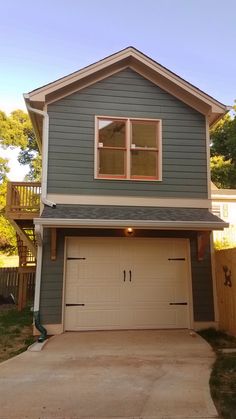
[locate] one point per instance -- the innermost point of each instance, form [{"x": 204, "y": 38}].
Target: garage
[{"x": 126, "y": 283}]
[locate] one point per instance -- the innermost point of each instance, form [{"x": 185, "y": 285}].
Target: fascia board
[
  {"x": 41, "y": 93},
  {"x": 179, "y": 225}
]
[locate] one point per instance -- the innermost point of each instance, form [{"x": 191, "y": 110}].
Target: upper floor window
[{"x": 128, "y": 148}]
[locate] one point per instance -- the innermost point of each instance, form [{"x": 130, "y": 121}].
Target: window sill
[{"x": 130, "y": 180}]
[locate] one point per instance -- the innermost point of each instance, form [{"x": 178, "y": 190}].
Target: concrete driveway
[{"x": 120, "y": 374}]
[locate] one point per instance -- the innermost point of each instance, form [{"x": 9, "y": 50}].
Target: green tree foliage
[
  {"x": 7, "y": 232},
  {"x": 4, "y": 169},
  {"x": 223, "y": 152},
  {"x": 223, "y": 172},
  {"x": 16, "y": 131}
]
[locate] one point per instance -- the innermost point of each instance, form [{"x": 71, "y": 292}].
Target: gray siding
[
  {"x": 52, "y": 274},
  {"x": 71, "y": 139}
]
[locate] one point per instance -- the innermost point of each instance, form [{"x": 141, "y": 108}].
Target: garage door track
[{"x": 118, "y": 374}]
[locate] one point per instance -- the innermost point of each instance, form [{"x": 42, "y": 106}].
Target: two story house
[{"x": 124, "y": 233}]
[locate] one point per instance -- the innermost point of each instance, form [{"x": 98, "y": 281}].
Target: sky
[{"x": 42, "y": 41}]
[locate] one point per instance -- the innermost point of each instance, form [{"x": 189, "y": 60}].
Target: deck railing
[{"x": 23, "y": 197}]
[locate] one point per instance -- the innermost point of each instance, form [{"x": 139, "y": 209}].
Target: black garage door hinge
[
  {"x": 74, "y": 305},
  {"x": 76, "y": 258},
  {"x": 176, "y": 259},
  {"x": 178, "y": 304}
]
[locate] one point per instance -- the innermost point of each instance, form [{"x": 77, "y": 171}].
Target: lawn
[
  {"x": 223, "y": 377},
  {"x": 15, "y": 331}
]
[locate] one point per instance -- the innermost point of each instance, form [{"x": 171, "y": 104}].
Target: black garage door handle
[
  {"x": 74, "y": 305},
  {"x": 178, "y": 304}
]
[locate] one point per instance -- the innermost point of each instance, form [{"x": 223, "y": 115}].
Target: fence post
[{"x": 20, "y": 291}]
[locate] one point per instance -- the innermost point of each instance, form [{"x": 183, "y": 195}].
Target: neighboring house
[
  {"x": 125, "y": 229},
  {"x": 224, "y": 206}
]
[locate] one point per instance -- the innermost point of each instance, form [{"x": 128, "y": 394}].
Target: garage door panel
[
  {"x": 158, "y": 271},
  {"x": 160, "y": 317},
  {"x": 152, "y": 294},
  {"x": 93, "y": 271},
  {"x": 126, "y": 283},
  {"x": 84, "y": 247},
  {"x": 90, "y": 319},
  {"x": 100, "y": 294}
]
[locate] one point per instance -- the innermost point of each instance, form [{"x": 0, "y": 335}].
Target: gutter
[
  {"x": 219, "y": 196},
  {"x": 90, "y": 223},
  {"x": 45, "y": 116}
]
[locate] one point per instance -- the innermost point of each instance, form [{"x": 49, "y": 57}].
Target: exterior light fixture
[{"x": 129, "y": 231}]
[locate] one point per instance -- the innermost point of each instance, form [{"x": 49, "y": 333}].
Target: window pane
[
  {"x": 144, "y": 135},
  {"x": 111, "y": 162},
  {"x": 111, "y": 133},
  {"x": 144, "y": 163}
]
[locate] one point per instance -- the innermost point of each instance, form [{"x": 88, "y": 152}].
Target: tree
[
  {"x": 4, "y": 169},
  {"x": 223, "y": 172},
  {"x": 223, "y": 152},
  {"x": 16, "y": 131},
  {"x": 7, "y": 232}
]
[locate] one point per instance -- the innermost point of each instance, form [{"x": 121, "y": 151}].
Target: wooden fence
[
  {"x": 20, "y": 282},
  {"x": 226, "y": 289}
]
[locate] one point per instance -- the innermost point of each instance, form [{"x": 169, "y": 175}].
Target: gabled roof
[{"x": 127, "y": 58}]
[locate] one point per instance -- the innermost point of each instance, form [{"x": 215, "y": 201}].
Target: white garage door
[{"x": 126, "y": 283}]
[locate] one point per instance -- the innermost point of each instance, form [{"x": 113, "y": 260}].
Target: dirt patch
[{"x": 16, "y": 332}]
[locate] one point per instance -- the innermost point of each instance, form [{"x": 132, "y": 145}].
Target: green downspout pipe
[{"x": 40, "y": 327}]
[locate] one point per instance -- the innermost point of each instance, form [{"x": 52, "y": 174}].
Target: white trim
[
  {"x": 95, "y": 147},
  {"x": 213, "y": 273},
  {"x": 190, "y": 286},
  {"x": 205, "y": 325},
  {"x": 129, "y": 201},
  {"x": 208, "y": 158},
  {"x": 64, "y": 283},
  {"x": 216, "y": 197},
  {"x": 45, "y": 135},
  {"x": 169, "y": 225},
  {"x": 128, "y": 141},
  {"x": 40, "y": 93}
]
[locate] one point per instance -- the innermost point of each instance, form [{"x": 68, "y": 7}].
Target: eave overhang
[
  {"x": 127, "y": 58},
  {"x": 140, "y": 224}
]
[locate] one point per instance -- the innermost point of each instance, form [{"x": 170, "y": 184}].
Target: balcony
[
  {"x": 23, "y": 200},
  {"x": 22, "y": 206}
]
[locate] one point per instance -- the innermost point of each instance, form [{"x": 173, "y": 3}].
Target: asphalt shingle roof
[{"x": 110, "y": 212}]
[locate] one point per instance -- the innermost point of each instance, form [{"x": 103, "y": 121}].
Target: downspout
[
  {"x": 45, "y": 116},
  {"x": 38, "y": 325},
  {"x": 39, "y": 230}
]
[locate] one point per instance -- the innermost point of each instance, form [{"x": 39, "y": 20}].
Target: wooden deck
[
  {"x": 22, "y": 206},
  {"x": 23, "y": 200}
]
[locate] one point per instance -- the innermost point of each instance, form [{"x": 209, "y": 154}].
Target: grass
[
  {"x": 218, "y": 340},
  {"x": 15, "y": 332},
  {"x": 223, "y": 376}
]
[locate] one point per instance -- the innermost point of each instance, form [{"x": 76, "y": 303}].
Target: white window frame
[{"x": 127, "y": 175}]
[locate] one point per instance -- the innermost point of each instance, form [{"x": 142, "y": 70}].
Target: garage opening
[{"x": 126, "y": 283}]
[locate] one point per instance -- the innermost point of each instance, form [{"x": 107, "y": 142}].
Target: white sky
[{"x": 17, "y": 172}]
